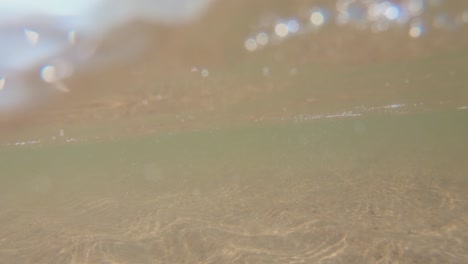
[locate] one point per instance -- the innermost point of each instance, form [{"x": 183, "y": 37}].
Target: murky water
[{"x": 266, "y": 132}]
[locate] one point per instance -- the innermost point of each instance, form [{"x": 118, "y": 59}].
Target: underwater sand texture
[{"x": 316, "y": 192}]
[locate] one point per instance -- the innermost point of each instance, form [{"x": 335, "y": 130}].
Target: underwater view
[{"x": 215, "y": 131}]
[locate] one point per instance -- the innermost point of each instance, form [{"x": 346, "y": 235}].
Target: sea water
[{"x": 312, "y": 132}]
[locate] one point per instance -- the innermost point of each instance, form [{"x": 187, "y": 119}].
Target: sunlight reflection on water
[
  {"x": 411, "y": 17},
  {"x": 51, "y": 39}
]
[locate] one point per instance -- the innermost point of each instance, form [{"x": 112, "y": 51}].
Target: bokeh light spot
[
  {"x": 281, "y": 30},
  {"x": 293, "y": 26},
  {"x": 250, "y": 44},
  {"x": 415, "y": 7},
  {"x": 317, "y": 18},
  {"x": 49, "y": 73},
  {"x": 416, "y": 31},
  {"x": 262, "y": 38},
  {"x": 392, "y": 13}
]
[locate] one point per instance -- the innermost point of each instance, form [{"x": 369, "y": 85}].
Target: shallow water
[
  {"x": 359, "y": 190},
  {"x": 342, "y": 143}
]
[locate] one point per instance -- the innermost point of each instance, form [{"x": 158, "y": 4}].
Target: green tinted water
[{"x": 366, "y": 189}]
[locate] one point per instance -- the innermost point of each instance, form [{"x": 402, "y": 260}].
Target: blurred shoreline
[{"x": 203, "y": 73}]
